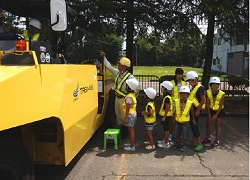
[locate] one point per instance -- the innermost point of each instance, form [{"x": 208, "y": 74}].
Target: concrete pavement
[{"x": 229, "y": 161}]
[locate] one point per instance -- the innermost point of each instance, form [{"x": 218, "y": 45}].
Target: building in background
[{"x": 231, "y": 54}]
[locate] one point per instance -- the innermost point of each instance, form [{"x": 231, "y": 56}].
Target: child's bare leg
[
  {"x": 166, "y": 134},
  {"x": 150, "y": 137},
  {"x": 218, "y": 129},
  {"x": 171, "y": 125},
  {"x": 195, "y": 140},
  {"x": 131, "y": 131},
  {"x": 208, "y": 128},
  {"x": 198, "y": 140}
]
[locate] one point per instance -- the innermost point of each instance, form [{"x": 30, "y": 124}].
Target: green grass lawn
[{"x": 167, "y": 70}]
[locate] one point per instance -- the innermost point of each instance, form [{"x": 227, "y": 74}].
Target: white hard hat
[
  {"x": 150, "y": 92},
  {"x": 35, "y": 23},
  {"x": 191, "y": 75},
  {"x": 184, "y": 89},
  {"x": 167, "y": 84},
  {"x": 132, "y": 83},
  {"x": 214, "y": 80}
]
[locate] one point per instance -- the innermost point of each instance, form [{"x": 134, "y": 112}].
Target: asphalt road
[{"x": 229, "y": 161}]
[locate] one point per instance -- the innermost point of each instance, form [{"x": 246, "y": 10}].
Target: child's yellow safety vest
[
  {"x": 132, "y": 109},
  {"x": 183, "y": 116},
  {"x": 152, "y": 118},
  {"x": 215, "y": 102},
  {"x": 192, "y": 97},
  {"x": 162, "y": 110},
  {"x": 175, "y": 92}
]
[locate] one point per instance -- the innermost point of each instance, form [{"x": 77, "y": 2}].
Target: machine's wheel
[
  {"x": 15, "y": 161},
  {"x": 110, "y": 117}
]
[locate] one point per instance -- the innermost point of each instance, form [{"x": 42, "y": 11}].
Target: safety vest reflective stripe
[
  {"x": 192, "y": 96},
  {"x": 162, "y": 110},
  {"x": 26, "y": 36},
  {"x": 151, "y": 118},
  {"x": 118, "y": 86},
  {"x": 175, "y": 93},
  {"x": 132, "y": 109},
  {"x": 183, "y": 116},
  {"x": 215, "y": 102}
]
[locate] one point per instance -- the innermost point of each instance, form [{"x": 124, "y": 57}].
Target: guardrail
[
  {"x": 149, "y": 81},
  {"x": 154, "y": 82},
  {"x": 240, "y": 86}
]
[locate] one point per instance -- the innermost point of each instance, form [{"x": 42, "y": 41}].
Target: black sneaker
[
  {"x": 206, "y": 140},
  {"x": 215, "y": 144},
  {"x": 183, "y": 148}
]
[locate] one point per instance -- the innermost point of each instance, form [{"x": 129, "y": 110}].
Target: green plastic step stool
[{"x": 113, "y": 134}]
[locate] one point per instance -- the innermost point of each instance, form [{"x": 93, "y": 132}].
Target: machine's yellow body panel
[{"x": 68, "y": 92}]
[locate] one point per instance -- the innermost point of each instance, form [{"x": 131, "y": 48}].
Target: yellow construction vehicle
[{"x": 49, "y": 108}]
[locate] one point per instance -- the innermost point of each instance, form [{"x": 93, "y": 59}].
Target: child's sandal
[{"x": 198, "y": 148}]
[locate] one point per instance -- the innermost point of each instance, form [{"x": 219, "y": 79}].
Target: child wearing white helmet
[
  {"x": 197, "y": 95},
  {"x": 215, "y": 110},
  {"x": 149, "y": 116},
  {"x": 130, "y": 115},
  {"x": 183, "y": 109},
  {"x": 177, "y": 82},
  {"x": 166, "y": 112}
]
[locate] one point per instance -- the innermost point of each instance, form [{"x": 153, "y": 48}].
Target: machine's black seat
[{"x": 17, "y": 59}]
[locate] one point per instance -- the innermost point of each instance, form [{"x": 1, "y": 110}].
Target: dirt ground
[{"x": 232, "y": 104}]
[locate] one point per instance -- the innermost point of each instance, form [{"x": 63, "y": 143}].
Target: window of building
[
  {"x": 218, "y": 60},
  {"x": 214, "y": 61},
  {"x": 219, "y": 41},
  {"x": 215, "y": 41}
]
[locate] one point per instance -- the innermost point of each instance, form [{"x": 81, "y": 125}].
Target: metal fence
[
  {"x": 149, "y": 81},
  {"x": 154, "y": 82}
]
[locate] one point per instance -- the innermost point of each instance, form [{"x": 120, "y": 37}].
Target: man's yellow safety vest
[
  {"x": 118, "y": 86},
  {"x": 26, "y": 36},
  {"x": 215, "y": 102}
]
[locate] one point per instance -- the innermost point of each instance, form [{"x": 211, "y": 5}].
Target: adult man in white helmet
[
  {"x": 34, "y": 26},
  {"x": 121, "y": 75}
]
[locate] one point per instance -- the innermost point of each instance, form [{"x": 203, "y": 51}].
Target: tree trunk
[
  {"x": 209, "y": 50},
  {"x": 130, "y": 32}
]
